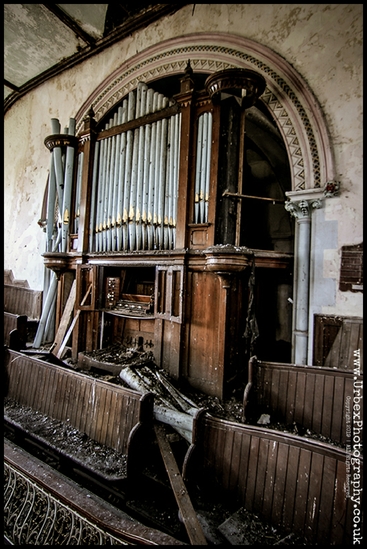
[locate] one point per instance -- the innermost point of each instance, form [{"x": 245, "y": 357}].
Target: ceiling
[{"x": 41, "y": 40}]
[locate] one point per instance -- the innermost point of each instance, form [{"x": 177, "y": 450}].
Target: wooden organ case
[{"x": 155, "y": 242}]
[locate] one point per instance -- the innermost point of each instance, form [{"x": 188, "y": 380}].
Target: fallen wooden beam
[
  {"x": 190, "y": 520},
  {"x": 65, "y": 319},
  {"x": 60, "y": 352}
]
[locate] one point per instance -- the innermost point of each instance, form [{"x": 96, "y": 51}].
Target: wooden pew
[
  {"x": 298, "y": 484},
  {"x": 15, "y": 330},
  {"x": 314, "y": 397},
  {"x": 109, "y": 414}
]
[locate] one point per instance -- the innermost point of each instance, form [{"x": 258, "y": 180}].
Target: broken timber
[
  {"x": 59, "y": 353},
  {"x": 181, "y": 420},
  {"x": 190, "y": 520},
  {"x": 65, "y": 319}
]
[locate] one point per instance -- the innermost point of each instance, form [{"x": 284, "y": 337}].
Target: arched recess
[{"x": 287, "y": 95}]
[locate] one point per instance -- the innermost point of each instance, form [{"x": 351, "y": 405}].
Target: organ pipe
[
  {"x": 120, "y": 192},
  {"x": 92, "y": 220},
  {"x": 202, "y": 171},
  {"x": 77, "y": 193},
  {"x": 60, "y": 184},
  {"x": 135, "y": 176},
  {"x": 68, "y": 181}
]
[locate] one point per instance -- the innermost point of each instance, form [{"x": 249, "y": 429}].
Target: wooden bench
[
  {"x": 22, "y": 311},
  {"x": 15, "y": 330},
  {"x": 111, "y": 415},
  {"x": 290, "y": 481},
  {"x": 314, "y": 397}
]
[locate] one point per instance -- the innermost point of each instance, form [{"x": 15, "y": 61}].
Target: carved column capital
[
  {"x": 301, "y": 203},
  {"x": 301, "y": 209}
]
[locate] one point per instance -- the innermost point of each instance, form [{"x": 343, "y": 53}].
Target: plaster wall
[{"x": 323, "y": 42}]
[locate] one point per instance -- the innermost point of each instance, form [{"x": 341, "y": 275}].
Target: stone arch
[{"x": 287, "y": 95}]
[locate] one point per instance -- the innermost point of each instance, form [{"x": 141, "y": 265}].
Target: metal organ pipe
[
  {"x": 57, "y": 158},
  {"x": 208, "y": 159},
  {"x": 116, "y": 177},
  {"x": 60, "y": 180},
  {"x": 92, "y": 222},
  {"x": 152, "y": 171},
  {"x": 77, "y": 193},
  {"x": 127, "y": 178},
  {"x": 51, "y": 207},
  {"x": 202, "y": 172},
  {"x": 135, "y": 177},
  {"x": 68, "y": 181},
  {"x": 107, "y": 196},
  {"x": 162, "y": 181},
  {"x": 111, "y": 187},
  {"x": 121, "y": 180}
]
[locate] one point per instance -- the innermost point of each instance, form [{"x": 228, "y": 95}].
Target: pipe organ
[
  {"x": 135, "y": 179},
  {"x": 132, "y": 216}
]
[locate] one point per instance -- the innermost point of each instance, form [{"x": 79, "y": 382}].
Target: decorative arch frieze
[{"x": 287, "y": 96}]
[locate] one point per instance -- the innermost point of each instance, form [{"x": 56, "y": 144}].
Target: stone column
[{"x": 300, "y": 206}]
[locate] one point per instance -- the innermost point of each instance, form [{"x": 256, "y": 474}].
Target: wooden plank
[
  {"x": 227, "y": 458},
  {"x": 338, "y": 409},
  {"x": 251, "y": 479},
  {"x": 243, "y": 465},
  {"x": 300, "y": 397},
  {"x": 279, "y": 484},
  {"x": 31, "y": 386},
  {"x": 61, "y": 349},
  {"x": 65, "y": 320},
  {"x": 332, "y": 359},
  {"x": 15, "y": 376},
  {"x": 344, "y": 355},
  {"x": 85, "y": 411},
  {"x": 236, "y": 461},
  {"x": 96, "y": 396},
  {"x": 40, "y": 389},
  {"x": 270, "y": 473},
  {"x": 79, "y": 417},
  {"x": 261, "y": 474},
  {"x": 110, "y": 439},
  {"x": 316, "y": 420},
  {"x": 327, "y": 498},
  {"x": 274, "y": 390},
  {"x": 339, "y": 529},
  {"x": 283, "y": 392},
  {"x": 328, "y": 406},
  {"x": 291, "y": 487},
  {"x": 190, "y": 520},
  {"x": 299, "y": 523},
  {"x": 60, "y": 395},
  {"x": 106, "y": 416},
  {"x": 313, "y": 500},
  {"x": 118, "y": 427},
  {"x": 65, "y": 409},
  {"x": 74, "y": 401},
  {"x": 291, "y": 397},
  {"x": 53, "y": 392},
  {"x": 309, "y": 400}
]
